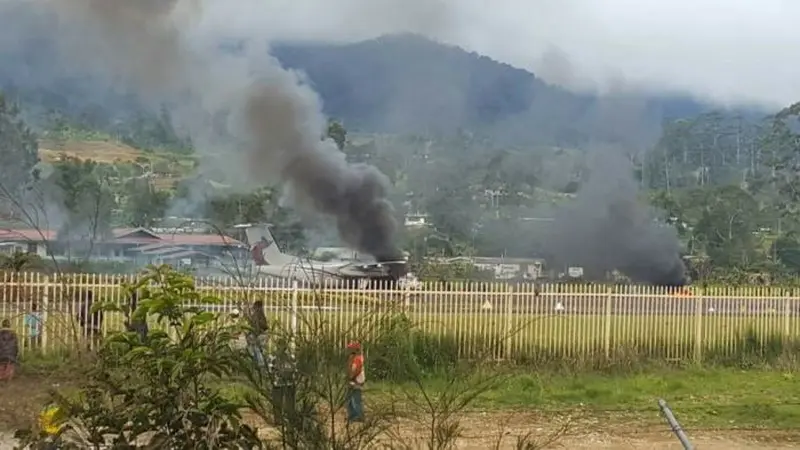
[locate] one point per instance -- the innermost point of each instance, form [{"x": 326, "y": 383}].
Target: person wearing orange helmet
[{"x": 356, "y": 379}]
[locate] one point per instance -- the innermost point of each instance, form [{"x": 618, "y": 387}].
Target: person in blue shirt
[{"x": 33, "y": 326}]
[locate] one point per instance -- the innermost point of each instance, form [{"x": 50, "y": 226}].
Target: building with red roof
[{"x": 138, "y": 245}]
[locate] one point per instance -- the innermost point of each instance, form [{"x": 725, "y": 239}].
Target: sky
[{"x": 733, "y": 52}]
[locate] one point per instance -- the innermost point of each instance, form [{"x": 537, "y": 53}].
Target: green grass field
[
  {"x": 721, "y": 399},
  {"x": 517, "y": 336},
  {"x": 712, "y": 398},
  {"x": 700, "y": 398}
]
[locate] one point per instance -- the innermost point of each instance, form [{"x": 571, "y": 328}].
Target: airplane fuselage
[{"x": 317, "y": 273}]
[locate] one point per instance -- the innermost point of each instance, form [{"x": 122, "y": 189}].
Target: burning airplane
[{"x": 270, "y": 261}]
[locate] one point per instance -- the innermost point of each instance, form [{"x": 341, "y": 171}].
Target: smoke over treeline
[
  {"x": 264, "y": 120},
  {"x": 608, "y": 227},
  {"x": 265, "y": 123}
]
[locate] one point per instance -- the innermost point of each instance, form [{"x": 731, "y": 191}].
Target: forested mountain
[
  {"x": 407, "y": 83},
  {"x": 398, "y": 83},
  {"x": 485, "y": 149}
]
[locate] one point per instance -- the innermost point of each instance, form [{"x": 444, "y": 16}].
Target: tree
[
  {"x": 86, "y": 202},
  {"x": 19, "y": 261},
  {"x": 710, "y": 149},
  {"x": 726, "y": 226},
  {"x": 782, "y": 148},
  {"x": 261, "y": 206},
  {"x": 144, "y": 204},
  {"x": 787, "y": 251},
  {"x": 337, "y": 132},
  {"x": 19, "y": 154}
]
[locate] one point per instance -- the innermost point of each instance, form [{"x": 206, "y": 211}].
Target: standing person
[
  {"x": 356, "y": 379},
  {"x": 132, "y": 324},
  {"x": 9, "y": 351},
  {"x": 33, "y": 326},
  {"x": 91, "y": 322},
  {"x": 257, "y": 337}
]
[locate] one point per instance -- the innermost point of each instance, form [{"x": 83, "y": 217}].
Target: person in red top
[{"x": 356, "y": 379}]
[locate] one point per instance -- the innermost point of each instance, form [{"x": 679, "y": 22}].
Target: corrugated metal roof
[
  {"x": 27, "y": 235},
  {"x": 148, "y": 247},
  {"x": 185, "y": 254},
  {"x": 163, "y": 251},
  {"x": 126, "y": 236}
]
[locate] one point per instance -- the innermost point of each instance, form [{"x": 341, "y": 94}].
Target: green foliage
[
  {"x": 18, "y": 150},
  {"x": 20, "y": 261},
  {"x": 401, "y": 346},
  {"x": 448, "y": 272},
  {"x": 144, "y": 204},
  {"x": 86, "y": 196},
  {"x": 787, "y": 251},
  {"x": 727, "y": 183},
  {"x": 337, "y": 133},
  {"x": 259, "y": 207},
  {"x": 143, "y": 130},
  {"x": 164, "y": 389},
  {"x": 154, "y": 132},
  {"x": 726, "y": 225},
  {"x": 61, "y": 131}
]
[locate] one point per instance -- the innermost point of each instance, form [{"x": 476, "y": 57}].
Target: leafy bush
[
  {"x": 400, "y": 345},
  {"x": 185, "y": 385},
  {"x": 172, "y": 398}
]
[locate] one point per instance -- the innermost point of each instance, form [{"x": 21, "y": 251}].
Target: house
[
  {"x": 511, "y": 268},
  {"x": 25, "y": 241},
  {"x": 505, "y": 268},
  {"x": 417, "y": 220},
  {"x": 137, "y": 245}
]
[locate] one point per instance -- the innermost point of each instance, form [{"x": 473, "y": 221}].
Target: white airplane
[{"x": 269, "y": 260}]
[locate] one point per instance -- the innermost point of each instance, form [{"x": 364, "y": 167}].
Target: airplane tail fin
[{"x": 263, "y": 248}]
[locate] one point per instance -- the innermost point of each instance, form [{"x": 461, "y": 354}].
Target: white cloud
[{"x": 726, "y": 50}]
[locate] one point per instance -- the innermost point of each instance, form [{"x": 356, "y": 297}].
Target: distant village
[{"x": 194, "y": 246}]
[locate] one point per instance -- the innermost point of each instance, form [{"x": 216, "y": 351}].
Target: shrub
[
  {"x": 400, "y": 345},
  {"x": 165, "y": 389}
]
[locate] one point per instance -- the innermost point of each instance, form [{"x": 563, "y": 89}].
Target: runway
[
  {"x": 626, "y": 305},
  {"x": 517, "y": 304}
]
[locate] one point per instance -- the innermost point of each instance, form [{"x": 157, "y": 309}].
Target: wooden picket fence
[{"x": 504, "y": 321}]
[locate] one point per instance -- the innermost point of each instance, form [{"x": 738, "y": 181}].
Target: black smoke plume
[{"x": 246, "y": 104}]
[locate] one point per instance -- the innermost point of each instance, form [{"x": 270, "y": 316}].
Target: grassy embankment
[{"x": 720, "y": 398}]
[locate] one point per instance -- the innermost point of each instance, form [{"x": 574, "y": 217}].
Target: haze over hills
[
  {"x": 407, "y": 83},
  {"x": 398, "y": 83}
]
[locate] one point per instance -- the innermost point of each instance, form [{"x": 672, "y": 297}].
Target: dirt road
[
  {"x": 20, "y": 400},
  {"x": 483, "y": 430},
  {"x": 723, "y": 440}
]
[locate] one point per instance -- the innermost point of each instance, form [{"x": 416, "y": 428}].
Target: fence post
[
  {"x": 698, "y": 326},
  {"x": 508, "y": 323},
  {"x": 787, "y": 314},
  {"x": 45, "y": 309},
  {"x": 295, "y": 293},
  {"x": 607, "y": 323}
]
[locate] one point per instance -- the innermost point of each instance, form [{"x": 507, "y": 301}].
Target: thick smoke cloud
[
  {"x": 265, "y": 122},
  {"x": 607, "y": 227},
  {"x": 267, "y": 119},
  {"x": 317, "y": 173}
]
